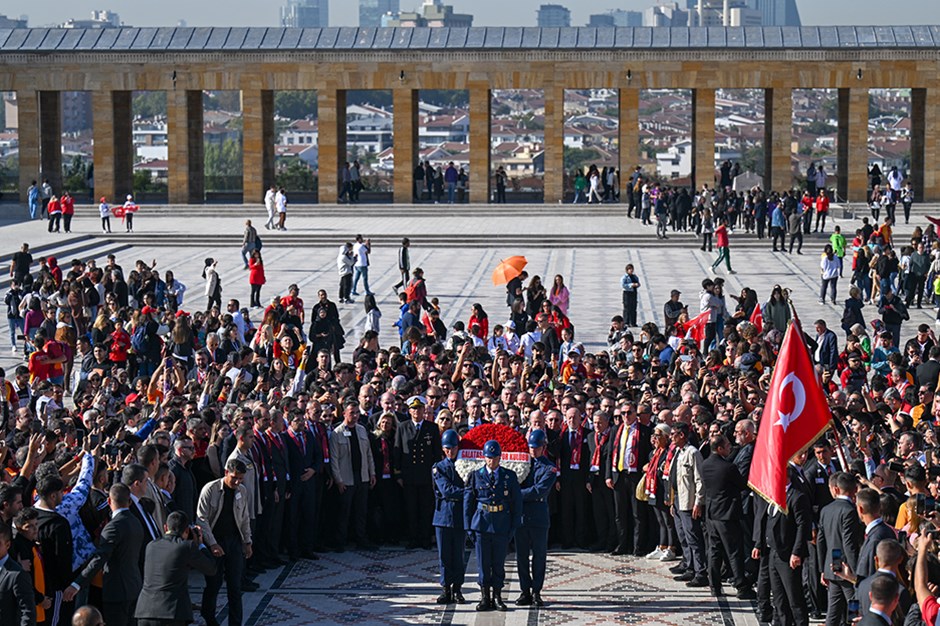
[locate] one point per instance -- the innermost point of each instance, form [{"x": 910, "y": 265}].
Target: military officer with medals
[
  {"x": 532, "y": 535},
  {"x": 492, "y": 508},
  {"x": 448, "y": 520}
]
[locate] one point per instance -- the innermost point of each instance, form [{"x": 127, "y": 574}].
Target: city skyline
[{"x": 486, "y": 12}]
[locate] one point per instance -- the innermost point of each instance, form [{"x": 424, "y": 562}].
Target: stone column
[
  {"x": 629, "y": 138},
  {"x": 257, "y": 144},
  {"x": 405, "y": 125},
  {"x": 703, "y": 138},
  {"x": 27, "y": 115},
  {"x": 778, "y": 138},
  {"x": 50, "y": 138},
  {"x": 481, "y": 176},
  {"x": 114, "y": 146},
  {"x": 331, "y": 112},
  {"x": 924, "y": 146},
  {"x": 187, "y": 179},
  {"x": 853, "y": 145},
  {"x": 554, "y": 183}
]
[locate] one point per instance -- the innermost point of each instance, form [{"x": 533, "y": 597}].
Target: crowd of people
[{"x": 141, "y": 441}]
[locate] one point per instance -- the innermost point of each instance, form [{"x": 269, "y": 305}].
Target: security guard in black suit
[
  {"x": 532, "y": 535},
  {"x": 448, "y": 521},
  {"x": 492, "y": 508}
]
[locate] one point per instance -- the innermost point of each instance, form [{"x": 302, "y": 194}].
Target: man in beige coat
[
  {"x": 688, "y": 508},
  {"x": 354, "y": 474}
]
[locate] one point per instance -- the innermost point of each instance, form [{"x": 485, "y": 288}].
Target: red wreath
[{"x": 509, "y": 440}]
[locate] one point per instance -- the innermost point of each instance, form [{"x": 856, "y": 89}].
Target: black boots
[
  {"x": 486, "y": 602},
  {"x": 446, "y": 596},
  {"x": 498, "y": 600},
  {"x": 524, "y": 599},
  {"x": 457, "y": 595},
  {"x": 537, "y": 599}
]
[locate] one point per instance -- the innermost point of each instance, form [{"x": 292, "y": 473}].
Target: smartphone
[
  {"x": 837, "y": 559},
  {"x": 896, "y": 466},
  {"x": 854, "y": 613}
]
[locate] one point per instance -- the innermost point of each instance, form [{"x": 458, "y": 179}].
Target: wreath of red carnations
[{"x": 515, "y": 450}]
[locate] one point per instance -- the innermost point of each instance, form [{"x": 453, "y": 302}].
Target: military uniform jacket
[
  {"x": 481, "y": 494},
  {"x": 417, "y": 449},
  {"x": 448, "y": 495},
  {"x": 535, "y": 489}
]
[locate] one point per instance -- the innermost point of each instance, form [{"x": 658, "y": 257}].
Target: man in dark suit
[
  {"x": 723, "y": 486},
  {"x": 164, "y": 599},
  {"x": 574, "y": 480},
  {"x": 929, "y": 371},
  {"x": 781, "y": 541},
  {"x": 17, "y": 601},
  {"x": 631, "y": 449},
  {"x": 868, "y": 505},
  {"x": 839, "y": 530},
  {"x": 278, "y": 472},
  {"x": 601, "y": 443},
  {"x": 417, "y": 449},
  {"x": 135, "y": 477},
  {"x": 305, "y": 462},
  {"x": 884, "y": 600},
  {"x": 117, "y": 554},
  {"x": 890, "y": 556},
  {"x": 816, "y": 472}
]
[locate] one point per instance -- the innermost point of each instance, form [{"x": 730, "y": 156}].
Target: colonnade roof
[{"x": 253, "y": 39}]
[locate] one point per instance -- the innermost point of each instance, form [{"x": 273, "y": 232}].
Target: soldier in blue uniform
[
  {"x": 492, "y": 508},
  {"x": 532, "y": 535},
  {"x": 448, "y": 520}
]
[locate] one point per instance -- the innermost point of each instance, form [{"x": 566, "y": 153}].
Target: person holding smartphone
[{"x": 838, "y": 540}]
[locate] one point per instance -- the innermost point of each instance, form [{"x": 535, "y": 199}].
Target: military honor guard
[
  {"x": 448, "y": 520},
  {"x": 532, "y": 534},
  {"x": 492, "y": 510}
]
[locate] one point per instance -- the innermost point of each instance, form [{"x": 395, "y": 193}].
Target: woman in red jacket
[
  {"x": 479, "y": 317},
  {"x": 822, "y": 210},
  {"x": 255, "y": 277},
  {"x": 54, "y": 210},
  {"x": 68, "y": 210}
]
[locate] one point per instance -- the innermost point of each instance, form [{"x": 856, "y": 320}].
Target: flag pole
[{"x": 840, "y": 453}]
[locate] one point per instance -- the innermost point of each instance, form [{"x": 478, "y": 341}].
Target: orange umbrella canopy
[{"x": 508, "y": 269}]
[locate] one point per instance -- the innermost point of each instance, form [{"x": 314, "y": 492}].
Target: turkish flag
[
  {"x": 695, "y": 327},
  {"x": 757, "y": 318},
  {"x": 795, "y": 415}
]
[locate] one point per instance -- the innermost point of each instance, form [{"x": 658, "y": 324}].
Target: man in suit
[
  {"x": 417, "y": 449},
  {"x": 305, "y": 462},
  {"x": 185, "y": 493},
  {"x": 929, "y": 371},
  {"x": 574, "y": 480},
  {"x": 448, "y": 520},
  {"x": 134, "y": 476},
  {"x": 838, "y": 530},
  {"x": 868, "y": 505},
  {"x": 164, "y": 598},
  {"x": 17, "y": 601},
  {"x": 353, "y": 470},
  {"x": 884, "y": 600},
  {"x": 723, "y": 486},
  {"x": 816, "y": 472},
  {"x": 781, "y": 543},
  {"x": 631, "y": 449},
  {"x": 532, "y": 535},
  {"x": 890, "y": 555},
  {"x": 55, "y": 544},
  {"x": 601, "y": 443},
  {"x": 827, "y": 347},
  {"x": 278, "y": 473},
  {"x": 149, "y": 456},
  {"x": 117, "y": 554}
]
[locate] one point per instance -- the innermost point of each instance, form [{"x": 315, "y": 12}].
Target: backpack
[
  {"x": 258, "y": 243},
  {"x": 410, "y": 290},
  {"x": 139, "y": 339}
]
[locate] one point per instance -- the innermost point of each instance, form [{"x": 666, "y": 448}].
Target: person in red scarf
[
  {"x": 601, "y": 443},
  {"x": 658, "y": 491},
  {"x": 574, "y": 479}
]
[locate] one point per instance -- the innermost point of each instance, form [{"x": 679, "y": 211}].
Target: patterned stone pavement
[{"x": 391, "y": 587}]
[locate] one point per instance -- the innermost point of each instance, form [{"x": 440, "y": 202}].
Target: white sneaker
[
  {"x": 668, "y": 556},
  {"x": 655, "y": 554},
  {"x": 13, "y": 350}
]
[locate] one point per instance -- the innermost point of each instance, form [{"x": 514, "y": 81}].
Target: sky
[{"x": 486, "y": 12}]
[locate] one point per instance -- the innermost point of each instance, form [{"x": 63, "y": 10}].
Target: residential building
[
  {"x": 616, "y": 17},
  {"x": 433, "y": 14},
  {"x": 553, "y": 16},
  {"x": 306, "y": 14},
  {"x": 372, "y": 11},
  {"x": 779, "y": 12},
  {"x": 9, "y": 22}
]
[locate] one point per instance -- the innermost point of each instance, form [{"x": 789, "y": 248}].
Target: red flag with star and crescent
[{"x": 795, "y": 415}]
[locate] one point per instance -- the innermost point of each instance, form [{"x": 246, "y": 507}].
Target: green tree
[
  {"x": 296, "y": 175},
  {"x": 222, "y": 100},
  {"x": 295, "y": 105},
  {"x": 149, "y": 104},
  {"x": 579, "y": 158},
  {"x": 375, "y": 97},
  {"x": 143, "y": 182},
  {"x": 819, "y": 127},
  {"x": 451, "y": 98},
  {"x": 75, "y": 175},
  {"x": 223, "y": 166},
  {"x": 753, "y": 160}
]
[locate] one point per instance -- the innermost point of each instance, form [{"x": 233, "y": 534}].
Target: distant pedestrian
[
  {"x": 104, "y": 210},
  {"x": 373, "y": 314},
  {"x": 724, "y": 249},
  {"x": 213, "y": 283},
  {"x": 345, "y": 261},
  {"x": 32, "y": 199},
  {"x": 450, "y": 178},
  {"x": 256, "y": 277},
  {"x": 500, "y": 185},
  {"x": 280, "y": 204},
  {"x": 270, "y": 207},
  {"x": 404, "y": 264},
  {"x": 68, "y": 210},
  {"x": 629, "y": 283},
  {"x": 54, "y": 210},
  {"x": 829, "y": 265},
  {"x": 129, "y": 209},
  {"x": 361, "y": 249},
  {"x": 45, "y": 194},
  {"x": 249, "y": 239}
]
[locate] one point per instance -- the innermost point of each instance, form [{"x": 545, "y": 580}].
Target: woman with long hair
[
  {"x": 479, "y": 318},
  {"x": 173, "y": 291},
  {"x": 255, "y": 277},
  {"x": 373, "y": 314},
  {"x": 559, "y": 295},
  {"x": 385, "y": 503},
  {"x": 534, "y": 295}
]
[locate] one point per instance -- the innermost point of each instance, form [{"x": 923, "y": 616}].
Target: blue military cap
[
  {"x": 491, "y": 449},
  {"x": 537, "y": 438},
  {"x": 450, "y": 439}
]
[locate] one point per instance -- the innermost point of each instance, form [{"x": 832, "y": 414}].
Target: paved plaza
[{"x": 392, "y": 586}]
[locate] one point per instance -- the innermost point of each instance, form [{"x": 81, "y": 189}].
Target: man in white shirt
[
  {"x": 270, "y": 206},
  {"x": 361, "y": 250},
  {"x": 280, "y": 203}
]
